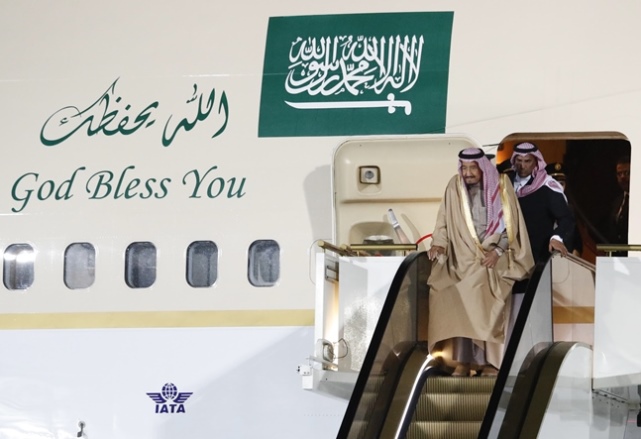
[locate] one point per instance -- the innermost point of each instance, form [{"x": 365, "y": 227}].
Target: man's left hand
[
  {"x": 558, "y": 246},
  {"x": 490, "y": 259}
]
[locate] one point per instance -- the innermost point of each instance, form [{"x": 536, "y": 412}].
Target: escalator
[
  {"x": 451, "y": 407},
  {"x": 401, "y": 392}
]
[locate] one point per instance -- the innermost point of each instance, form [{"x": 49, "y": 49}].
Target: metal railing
[
  {"x": 611, "y": 248},
  {"x": 366, "y": 249}
]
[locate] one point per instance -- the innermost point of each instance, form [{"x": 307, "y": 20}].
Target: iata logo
[{"x": 169, "y": 400}]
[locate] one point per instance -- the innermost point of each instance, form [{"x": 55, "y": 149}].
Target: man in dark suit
[
  {"x": 574, "y": 244},
  {"x": 617, "y": 226},
  {"x": 548, "y": 218}
]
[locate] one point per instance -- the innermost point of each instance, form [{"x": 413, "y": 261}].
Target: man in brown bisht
[{"x": 479, "y": 247}]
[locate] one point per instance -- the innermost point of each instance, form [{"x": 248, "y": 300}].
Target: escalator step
[
  {"x": 459, "y": 385},
  {"x": 443, "y": 430},
  {"x": 451, "y": 407}
]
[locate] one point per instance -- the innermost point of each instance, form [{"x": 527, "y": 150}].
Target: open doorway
[{"x": 587, "y": 162}]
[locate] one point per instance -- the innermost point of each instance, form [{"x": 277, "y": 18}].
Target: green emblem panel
[{"x": 357, "y": 74}]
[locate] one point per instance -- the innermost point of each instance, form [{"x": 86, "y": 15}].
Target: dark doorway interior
[{"x": 589, "y": 163}]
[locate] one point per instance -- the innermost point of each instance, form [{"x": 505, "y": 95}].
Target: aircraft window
[
  {"x": 18, "y": 266},
  {"x": 264, "y": 263},
  {"x": 140, "y": 265},
  {"x": 80, "y": 265},
  {"x": 202, "y": 264}
]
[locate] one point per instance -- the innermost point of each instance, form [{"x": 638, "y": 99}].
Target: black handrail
[
  {"x": 398, "y": 326},
  {"x": 512, "y": 346}
]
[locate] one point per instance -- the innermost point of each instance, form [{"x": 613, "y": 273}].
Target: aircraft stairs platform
[{"x": 544, "y": 388}]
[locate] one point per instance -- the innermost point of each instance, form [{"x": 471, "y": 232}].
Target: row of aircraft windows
[{"x": 263, "y": 265}]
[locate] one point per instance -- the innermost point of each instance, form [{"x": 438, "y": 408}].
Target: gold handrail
[
  {"x": 610, "y": 248},
  {"x": 342, "y": 251},
  {"x": 383, "y": 247},
  {"x": 365, "y": 249}
]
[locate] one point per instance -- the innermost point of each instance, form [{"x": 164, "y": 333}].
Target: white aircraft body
[{"x": 170, "y": 167}]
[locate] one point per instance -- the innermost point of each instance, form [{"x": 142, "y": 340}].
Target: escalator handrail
[
  {"x": 377, "y": 337},
  {"x": 383, "y": 321},
  {"x": 512, "y": 347},
  {"x": 533, "y": 391},
  {"x": 419, "y": 367}
]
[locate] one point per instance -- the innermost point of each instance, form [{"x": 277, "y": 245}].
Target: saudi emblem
[{"x": 169, "y": 400}]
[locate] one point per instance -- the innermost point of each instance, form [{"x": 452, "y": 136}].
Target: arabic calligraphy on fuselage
[{"x": 111, "y": 115}]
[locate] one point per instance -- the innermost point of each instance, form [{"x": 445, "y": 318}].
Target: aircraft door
[{"x": 406, "y": 175}]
